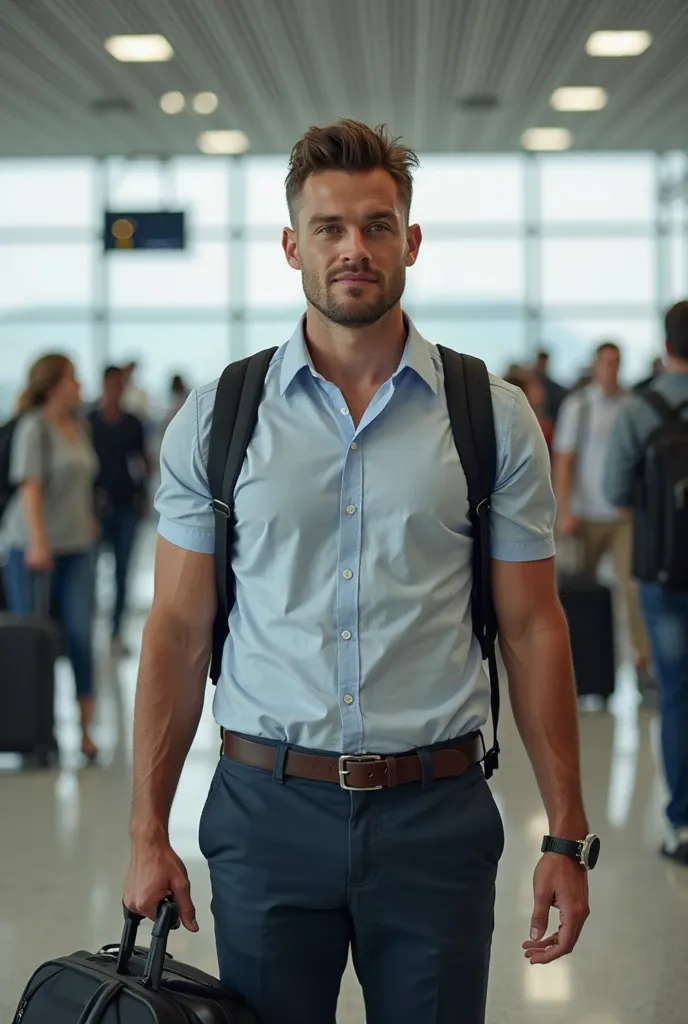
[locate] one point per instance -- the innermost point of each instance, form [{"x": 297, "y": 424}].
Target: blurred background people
[
  {"x": 179, "y": 392},
  {"x": 135, "y": 399},
  {"x": 656, "y": 370},
  {"x": 581, "y": 442},
  {"x": 120, "y": 487},
  {"x": 49, "y": 527},
  {"x": 665, "y": 609},
  {"x": 554, "y": 393}
]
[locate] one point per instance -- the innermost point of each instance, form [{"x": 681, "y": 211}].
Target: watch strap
[{"x": 567, "y": 847}]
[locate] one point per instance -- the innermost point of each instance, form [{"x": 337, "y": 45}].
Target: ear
[
  {"x": 414, "y": 236},
  {"x": 291, "y": 249}
]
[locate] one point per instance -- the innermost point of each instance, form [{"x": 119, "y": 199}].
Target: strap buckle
[
  {"x": 346, "y": 759},
  {"x": 221, "y": 508}
]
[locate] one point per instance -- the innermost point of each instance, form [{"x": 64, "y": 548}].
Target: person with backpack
[
  {"x": 344, "y": 524},
  {"x": 48, "y": 528},
  {"x": 647, "y": 473}
]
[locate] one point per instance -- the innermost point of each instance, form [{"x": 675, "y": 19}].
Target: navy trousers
[{"x": 303, "y": 871}]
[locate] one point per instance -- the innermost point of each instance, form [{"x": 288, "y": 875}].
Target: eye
[
  {"x": 378, "y": 227},
  {"x": 328, "y": 229}
]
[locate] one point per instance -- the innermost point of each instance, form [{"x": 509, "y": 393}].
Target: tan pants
[{"x": 598, "y": 538}]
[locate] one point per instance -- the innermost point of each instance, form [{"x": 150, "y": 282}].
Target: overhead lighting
[
  {"x": 224, "y": 142},
  {"x": 574, "y": 98},
  {"x": 143, "y": 49},
  {"x": 205, "y": 103},
  {"x": 547, "y": 139},
  {"x": 618, "y": 44},
  {"x": 172, "y": 102}
]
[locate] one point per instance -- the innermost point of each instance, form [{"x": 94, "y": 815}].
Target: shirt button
[
  {"x": 345, "y": 411},
  {"x": 348, "y": 699},
  {"x": 354, "y": 446},
  {"x": 346, "y": 635},
  {"x": 347, "y": 574},
  {"x": 351, "y": 510}
]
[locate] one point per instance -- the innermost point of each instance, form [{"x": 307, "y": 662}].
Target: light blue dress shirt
[{"x": 351, "y": 630}]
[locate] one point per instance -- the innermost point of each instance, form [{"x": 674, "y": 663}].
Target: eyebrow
[{"x": 335, "y": 218}]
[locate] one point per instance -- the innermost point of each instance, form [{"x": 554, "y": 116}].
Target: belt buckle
[{"x": 356, "y": 759}]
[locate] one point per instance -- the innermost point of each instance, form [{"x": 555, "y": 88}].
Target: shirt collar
[{"x": 416, "y": 356}]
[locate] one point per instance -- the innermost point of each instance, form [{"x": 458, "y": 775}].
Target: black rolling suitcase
[
  {"x": 589, "y": 610},
  {"x": 124, "y": 984}
]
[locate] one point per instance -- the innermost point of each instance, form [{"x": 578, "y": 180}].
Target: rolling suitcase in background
[
  {"x": 589, "y": 610},
  {"x": 28, "y": 647},
  {"x": 124, "y": 984}
]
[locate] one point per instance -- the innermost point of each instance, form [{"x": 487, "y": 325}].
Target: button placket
[{"x": 347, "y": 597}]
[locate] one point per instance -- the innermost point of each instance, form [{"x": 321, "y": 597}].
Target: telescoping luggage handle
[{"x": 167, "y": 920}]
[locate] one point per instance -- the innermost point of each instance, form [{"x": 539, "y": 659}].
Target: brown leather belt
[{"x": 356, "y": 771}]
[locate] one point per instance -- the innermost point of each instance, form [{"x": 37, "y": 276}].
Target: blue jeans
[
  {"x": 303, "y": 871},
  {"x": 119, "y": 526},
  {"x": 72, "y": 593},
  {"x": 666, "y": 616}
]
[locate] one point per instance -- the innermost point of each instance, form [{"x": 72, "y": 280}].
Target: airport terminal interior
[{"x": 553, "y": 243}]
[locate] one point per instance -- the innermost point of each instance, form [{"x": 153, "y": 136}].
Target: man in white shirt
[{"x": 581, "y": 443}]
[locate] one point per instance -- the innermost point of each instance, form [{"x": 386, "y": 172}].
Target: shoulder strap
[
  {"x": 469, "y": 403},
  {"x": 235, "y": 415},
  {"x": 661, "y": 406}
]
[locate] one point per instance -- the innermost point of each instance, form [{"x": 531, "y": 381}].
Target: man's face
[
  {"x": 113, "y": 387},
  {"x": 606, "y": 369},
  {"x": 352, "y": 245}
]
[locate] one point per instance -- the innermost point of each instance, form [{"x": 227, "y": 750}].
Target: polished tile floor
[{"x": 63, "y": 852}]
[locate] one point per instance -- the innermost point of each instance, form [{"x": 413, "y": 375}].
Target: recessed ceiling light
[
  {"x": 547, "y": 139},
  {"x": 617, "y": 44},
  {"x": 172, "y": 102},
  {"x": 223, "y": 142},
  {"x": 205, "y": 103},
  {"x": 579, "y": 98},
  {"x": 144, "y": 49}
]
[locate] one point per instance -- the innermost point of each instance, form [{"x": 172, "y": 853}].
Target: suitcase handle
[{"x": 166, "y": 920}]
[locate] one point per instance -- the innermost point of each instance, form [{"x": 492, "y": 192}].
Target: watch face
[{"x": 591, "y": 852}]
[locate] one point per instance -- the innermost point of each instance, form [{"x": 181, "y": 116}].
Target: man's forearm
[
  {"x": 169, "y": 702},
  {"x": 562, "y": 479},
  {"x": 543, "y": 697}
]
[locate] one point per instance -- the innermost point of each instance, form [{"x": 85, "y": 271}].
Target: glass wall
[{"x": 518, "y": 253}]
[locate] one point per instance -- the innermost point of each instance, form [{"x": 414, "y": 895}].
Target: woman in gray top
[{"x": 48, "y": 526}]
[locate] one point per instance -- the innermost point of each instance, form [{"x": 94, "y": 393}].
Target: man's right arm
[
  {"x": 564, "y": 463},
  {"x": 169, "y": 700}
]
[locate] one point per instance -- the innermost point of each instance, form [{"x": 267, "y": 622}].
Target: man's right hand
[
  {"x": 38, "y": 557},
  {"x": 155, "y": 871}
]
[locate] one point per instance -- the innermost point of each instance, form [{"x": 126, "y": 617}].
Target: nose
[{"x": 355, "y": 249}]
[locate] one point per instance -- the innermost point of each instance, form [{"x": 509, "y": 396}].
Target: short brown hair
[
  {"x": 676, "y": 323},
  {"x": 349, "y": 145},
  {"x": 608, "y": 346}
]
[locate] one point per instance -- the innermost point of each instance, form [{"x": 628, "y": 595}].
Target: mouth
[{"x": 353, "y": 279}]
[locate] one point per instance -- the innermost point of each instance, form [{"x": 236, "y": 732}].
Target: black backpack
[
  {"x": 660, "y": 507},
  {"x": 469, "y": 403},
  {"x": 7, "y": 488}
]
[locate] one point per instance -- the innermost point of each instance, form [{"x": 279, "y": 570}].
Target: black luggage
[
  {"x": 27, "y": 665},
  {"x": 589, "y": 610},
  {"x": 124, "y": 984}
]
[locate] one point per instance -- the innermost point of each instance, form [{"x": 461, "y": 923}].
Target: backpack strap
[
  {"x": 661, "y": 406},
  {"x": 235, "y": 415},
  {"x": 469, "y": 403}
]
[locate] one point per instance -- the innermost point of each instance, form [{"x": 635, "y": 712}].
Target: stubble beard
[{"x": 322, "y": 298}]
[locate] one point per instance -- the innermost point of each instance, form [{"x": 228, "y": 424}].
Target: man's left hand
[{"x": 561, "y": 883}]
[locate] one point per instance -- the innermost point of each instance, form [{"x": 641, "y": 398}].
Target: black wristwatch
[{"x": 585, "y": 852}]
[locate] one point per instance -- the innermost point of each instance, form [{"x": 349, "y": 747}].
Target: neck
[
  {"x": 360, "y": 356},
  {"x": 110, "y": 409},
  {"x": 56, "y": 413},
  {"x": 609, "y": 390},
  {"x": 675, "y": 365}
]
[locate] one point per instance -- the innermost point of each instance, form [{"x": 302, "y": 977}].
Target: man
[
  {"x": 554, "y": 393},
  {"x": 134, "y": 398},
  {"x": 581, "y": 442},
  {"x": 351, "y": 634},
  {"x": 120, "y": 486},
  {"x": 657, "y": 369},
  {"x": 666, "y": 612}
]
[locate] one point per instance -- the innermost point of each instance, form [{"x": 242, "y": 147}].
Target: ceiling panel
[{"x": 279, "y": 66}]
